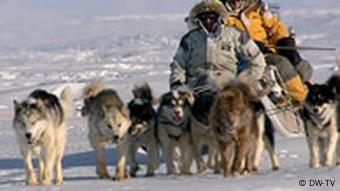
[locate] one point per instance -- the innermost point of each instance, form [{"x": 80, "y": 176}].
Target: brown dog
[{"x": 234, "y": 123}]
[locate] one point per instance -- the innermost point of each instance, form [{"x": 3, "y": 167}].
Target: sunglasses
[{"x": 209, "y": 15}]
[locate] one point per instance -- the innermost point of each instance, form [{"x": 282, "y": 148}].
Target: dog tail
[
  {"x": 66, "y": 101},
  {"x": 142, "y": 91},
  {"x": 92, "y": 89}
]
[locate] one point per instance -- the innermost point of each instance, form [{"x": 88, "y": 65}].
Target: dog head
[
  {"x": 113, "y": 122},
  {"x": 30, "y": 121},
  {"x": 175, "y": 106},
  {"x": 233, "y": 105},
  {"x": 90, "y": 91},
  {"x": 142, "y": 115},
  {"x": 319, "y": 95}
]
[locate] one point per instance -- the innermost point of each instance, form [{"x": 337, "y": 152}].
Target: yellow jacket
[{"x": 260, "y": 23}]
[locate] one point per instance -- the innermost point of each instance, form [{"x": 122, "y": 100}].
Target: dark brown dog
[{"x": 234, "y": 122}]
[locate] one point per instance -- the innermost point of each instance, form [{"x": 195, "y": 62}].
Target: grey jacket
[{"x": 202, "y": 56}]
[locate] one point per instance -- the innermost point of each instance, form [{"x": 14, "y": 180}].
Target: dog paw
[
  {"x": 187, "y": 173},
  {"x": 236, "y": 174},
  {"x": 121, "y": 177},
  {"x": 31, "y": 182},
  {"x": 150, "y": 174},
  {"x": 227, "y": 174},
  {"x": 327, "y": 163},
  {"x": 46, "y": 182},
  {"x": 275, "y": 168},
  {"x": 313, "y": 166},
  {"x": 104, "y": 176},
  {"x": 134, "y": 170},
  {"x": 246, "y": 173},
  {"x": 255, "y": 169},
  {"x": 58, "y": 182},
  {"x": 202, "y": 168}
]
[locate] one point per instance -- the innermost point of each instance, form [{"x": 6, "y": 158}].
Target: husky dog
[
  {"x": 235, "y": 125},
  {"x": 321, "y": 128},
  {"x": 108, "y": 121},
  {"x": 40, "y": 126},
  {"x": 173, "y": 129},
  {"x": 142, "y": 130},
  {"x": 334, "y": 83}
]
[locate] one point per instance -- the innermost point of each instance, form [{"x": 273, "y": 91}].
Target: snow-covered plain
[{"x": 52, "y": 43}]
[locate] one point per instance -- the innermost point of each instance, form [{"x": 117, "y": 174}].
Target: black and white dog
[
  {"x": 320, "y": 124},
  {"x": 173, "y": 129},
  {"x": 142, "y": 131}
]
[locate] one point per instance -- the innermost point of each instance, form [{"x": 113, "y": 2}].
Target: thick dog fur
[
  {"x": 321, "y": 128},
  {"x": 235, "y": 125},
  {"x": 40, "y": 126},
  {"x": 142, "y": 131},
  {"x": 173, "y": 130},
  {"x": 108, "y": 121},
  {"x": 334, "y": 83}
]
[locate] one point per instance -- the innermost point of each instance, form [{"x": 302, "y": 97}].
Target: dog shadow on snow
[{"x": 82, "y": 159}]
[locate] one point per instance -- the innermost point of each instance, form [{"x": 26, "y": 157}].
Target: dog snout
[
  {"x": 178, "y": 113},
  {"x": 28, "y": 136},
  {"x": 115, "y": 137}
]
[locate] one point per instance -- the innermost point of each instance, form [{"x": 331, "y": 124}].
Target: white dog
[
  {"x": 40, "y": 126},
  {"x": 108, "y": 121}
]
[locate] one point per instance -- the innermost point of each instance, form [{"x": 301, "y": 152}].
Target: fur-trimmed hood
[{"x": 208, "y": 6}]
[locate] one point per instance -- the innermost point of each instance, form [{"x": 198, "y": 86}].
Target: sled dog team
[{"x": 235, "y": 132}]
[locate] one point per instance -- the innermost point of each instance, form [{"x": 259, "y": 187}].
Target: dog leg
[
  {"x": 49, "y": 160},
  {"x": 314, "y": 154},
  {"x": 330, "y": 148},
  {"x": 241, "y": 150},
  {"x": 167, "y": 150},
  {"x": 31, "y": 179},
  {"x": 338, "y": 151},
  {"x": 120, "y": 169},
  {"x": 249, "y": 162},
  {"x": 186, "y": 155},
  {"x": 226, "y": 159},
  {"x": 272, "y": 155},
  {"x": 153, "y": 156},
  {"x": 196, "y": 150},
  {"x": 132, "y": 150},
  {"x": 61, "y": 142},
  {"x": 98, "y": 147},
  {"x": 258, "y": 149},
  {"x": 38, "y": 153}
]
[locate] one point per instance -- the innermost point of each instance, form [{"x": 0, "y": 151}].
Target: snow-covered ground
[{"x": 52, "y": 43}]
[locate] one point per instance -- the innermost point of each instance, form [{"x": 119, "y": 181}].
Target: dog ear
[
  {"x": 190, "y": 97},
  {"x": 17, "y": 106},
  {"x": 187, "y": 93},
  {"x": 308, "y": 84}
]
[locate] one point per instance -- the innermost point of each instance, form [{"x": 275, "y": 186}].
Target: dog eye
[
  {"x": 119, "y": 125},
  {"x": 33, "y": 123},
  {"x": 109, "y": 126}
]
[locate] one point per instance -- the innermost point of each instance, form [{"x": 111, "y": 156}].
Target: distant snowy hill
[{"x": 54, "y": 43}]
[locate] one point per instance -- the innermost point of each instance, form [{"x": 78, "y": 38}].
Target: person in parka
[
  {"x": 266, "y": 29},
  {"x": 209, "y": 53}
]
